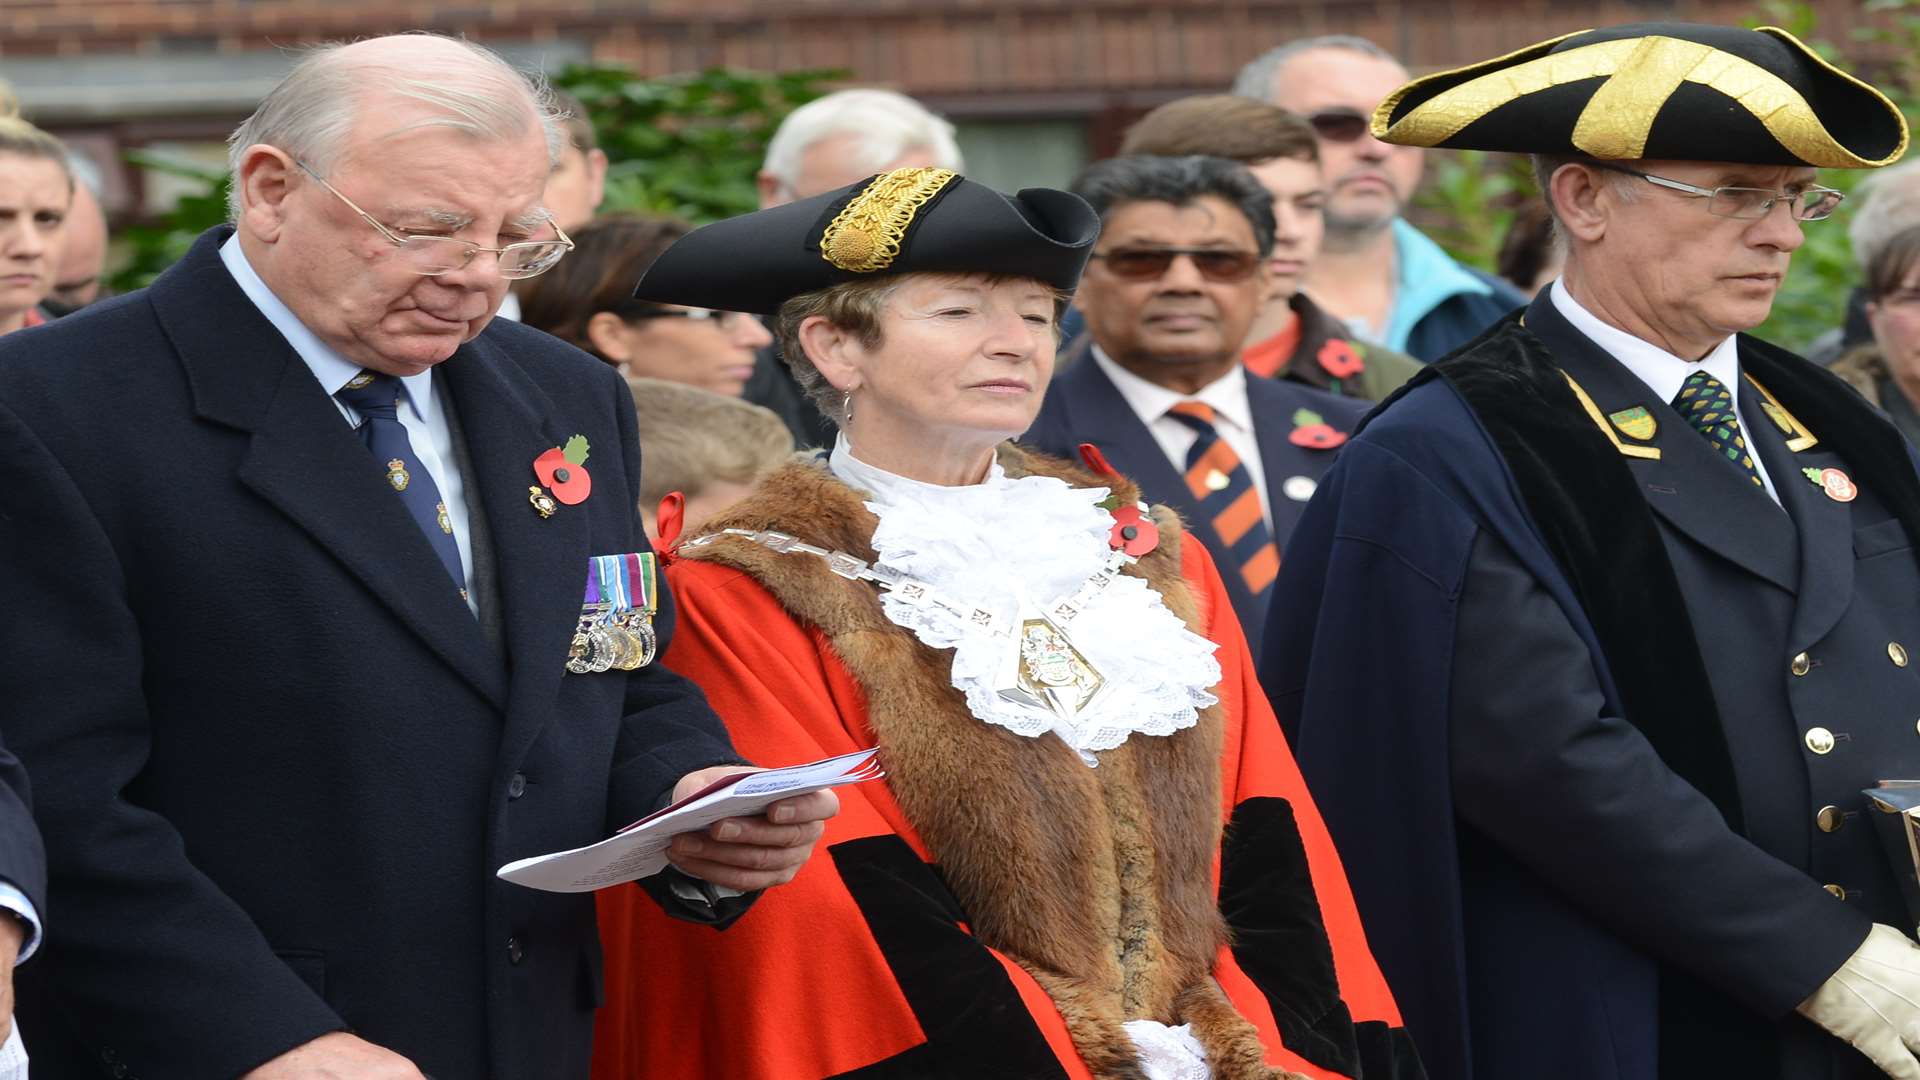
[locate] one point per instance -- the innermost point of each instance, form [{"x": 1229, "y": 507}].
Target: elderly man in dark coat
[
  {"x": 1595, "y": 635},
  {"x": 295, "y": 544}
]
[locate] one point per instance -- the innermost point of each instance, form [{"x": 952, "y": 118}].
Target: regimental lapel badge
[
  {"x": 1838, "y": 485},
  {"x": 615, "y": 632},
  {"x": 1798, "y": 437},
  {"x": 563, "y": 471},
  {"x": 1635, "y": 423}
]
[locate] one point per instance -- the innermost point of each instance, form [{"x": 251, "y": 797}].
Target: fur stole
[{"x": 1097, "y": 881}]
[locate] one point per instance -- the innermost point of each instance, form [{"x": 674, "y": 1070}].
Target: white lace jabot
[{"x": 1013, "y": 543}]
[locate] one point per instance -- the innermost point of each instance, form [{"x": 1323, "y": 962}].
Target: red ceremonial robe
[{"x": 994, "y": 908}]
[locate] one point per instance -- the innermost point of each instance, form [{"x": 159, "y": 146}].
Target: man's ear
[
  {"x": 611, "y": 336},
  {"x": 265, "y": 182},
  {"x": 835, "y": 353},
  {"x": 597, "y": 175},
  {"x": 1583, "y": 201},
  {"x": 771, "y": 189}
]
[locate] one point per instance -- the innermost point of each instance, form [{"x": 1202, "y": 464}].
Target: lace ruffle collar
[{"x": 1012, "y": 545}]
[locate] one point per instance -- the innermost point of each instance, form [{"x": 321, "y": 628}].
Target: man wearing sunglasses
[
  {"x": 1156, "y": 381},
  {"x": 290, "y": 575},
  {"x": 1377, "y": 273},
  {"x": 1597, "y": 636}
]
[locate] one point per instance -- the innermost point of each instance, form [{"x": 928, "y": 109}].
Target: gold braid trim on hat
[
  {"x": 1641, "y": 74},
  {"x": 865, "y": 236}
]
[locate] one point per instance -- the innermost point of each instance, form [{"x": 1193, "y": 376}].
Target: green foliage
[
  {"x": 152, "y": 247},
  {"x": 687, "y": 145},
  {"x": 1469, "y": 199}
]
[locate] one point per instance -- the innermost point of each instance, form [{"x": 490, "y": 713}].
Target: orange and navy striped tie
[{"x": 1223, "y": 488}]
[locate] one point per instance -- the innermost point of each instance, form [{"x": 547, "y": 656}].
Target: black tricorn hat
[
  {"x": 906, "y": 221},
  {"x": 1674, "y": 91}
]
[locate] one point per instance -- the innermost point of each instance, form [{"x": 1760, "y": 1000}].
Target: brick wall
[{"x": 955, "y": 48}]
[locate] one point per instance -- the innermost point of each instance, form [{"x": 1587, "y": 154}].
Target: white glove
[{"x": 1873, "y": 1002}]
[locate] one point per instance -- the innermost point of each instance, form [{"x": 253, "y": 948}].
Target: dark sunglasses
[
  {"x": 1214, "y": 264},
  {"x": 1339, "y": 124}
]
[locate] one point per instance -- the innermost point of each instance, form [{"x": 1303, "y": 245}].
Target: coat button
[
  {"x": 1802, "y": 664},
  {"x": 515, "y": 951},
  {"x": 517, "y": 786},
  {"x": 1836, "y": 890},
  {"x": 1897, "y": 653},
  {"x": 1819, "y": 740},
  {"x": 1830, "y": 818}
]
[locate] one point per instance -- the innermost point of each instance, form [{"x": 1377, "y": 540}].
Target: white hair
[
  {"x": 1256, "y": 79},
  {"x": 888, "y": 124},
  {"x": 468, "y": 88},
  {"x": 1889, "y": 204}
]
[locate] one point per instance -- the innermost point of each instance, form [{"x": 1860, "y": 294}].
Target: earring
[{"x": 846, "y": 407}]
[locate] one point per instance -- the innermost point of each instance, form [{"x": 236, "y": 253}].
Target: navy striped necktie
[
  {"x": 1222, "y": 486},
  {"x": 376, "y": 398}
]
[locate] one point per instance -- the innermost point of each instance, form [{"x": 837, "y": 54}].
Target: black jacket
[{"x": 281, "y": 760}]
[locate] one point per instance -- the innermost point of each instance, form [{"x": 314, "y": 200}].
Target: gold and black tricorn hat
[
  {"x": 1668, "y": 91},
  {"x": 919, "y": 220}
]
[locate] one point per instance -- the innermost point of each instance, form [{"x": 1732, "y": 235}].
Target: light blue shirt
[{"x": 420, "y": 414}]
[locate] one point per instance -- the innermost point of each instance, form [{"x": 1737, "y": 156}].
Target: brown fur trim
[{"x": 1098, "y": 881}]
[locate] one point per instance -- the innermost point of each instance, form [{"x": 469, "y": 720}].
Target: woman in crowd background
[
  {"x": 1886, "y": 370},
  {"x": 36, "y": 192},
  {"x": 588, "y": 300}
]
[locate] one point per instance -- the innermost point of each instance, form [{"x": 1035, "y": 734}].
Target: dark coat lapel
[
  {"x": 1688, "y": 486},
  {"x": 542, "y": 561},
  {"x": 1825, "y": 526},
  {"x": 304, "y": 458},
  {"x": 1096, "y": 412}
]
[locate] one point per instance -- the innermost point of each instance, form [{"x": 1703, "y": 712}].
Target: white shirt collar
[
  {"x": 1150, "y": 401},
  {"x": 1662, "y": 371},
  {"x": 330, "y": 368}
]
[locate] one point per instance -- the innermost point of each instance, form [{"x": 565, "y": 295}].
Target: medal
[{"x": 615, "y": 631}]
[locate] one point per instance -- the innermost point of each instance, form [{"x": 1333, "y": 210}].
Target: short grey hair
[
  {"x": 888, "y": 124},
  {"x": 1545, "y": 165},
  {"x": 475, "y": 91},
  {"x": 1889, "y": 204},
  {"x": 1256, "y": 79}
]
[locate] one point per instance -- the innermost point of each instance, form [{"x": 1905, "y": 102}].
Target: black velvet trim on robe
[
  {"x": 1279, "y": 937},
  {"x": 976, "y": 1023},
  {"x": 1584, "y": 499}
]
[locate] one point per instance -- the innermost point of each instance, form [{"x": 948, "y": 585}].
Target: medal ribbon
[{"x": 646, "y": 588}]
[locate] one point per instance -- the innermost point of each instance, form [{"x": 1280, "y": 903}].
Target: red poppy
[
  {"x": 1313, "y": 432},
  {"x": 565, "y": 472},
  {"x": 1133, "y": 532},
  {"x": 1340, "y": 359}
]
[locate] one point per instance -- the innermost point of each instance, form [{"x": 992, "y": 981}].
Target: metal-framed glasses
[
  {"x": 726, "y": 321},
  {"x": 435, "y": 255},
  {"x": 1747, "y": 203}
]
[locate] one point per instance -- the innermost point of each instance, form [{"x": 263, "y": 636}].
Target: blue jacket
[{"x": 1439, "y": 304}]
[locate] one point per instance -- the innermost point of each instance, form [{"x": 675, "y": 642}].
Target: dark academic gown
[
  {"x": 1589, "y": 727},
  {"x": 1083, "y": 406}
]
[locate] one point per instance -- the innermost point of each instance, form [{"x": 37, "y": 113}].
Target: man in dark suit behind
[
  {"x": 288, "y": 611},
  {"x": 1156, "y": 382}
]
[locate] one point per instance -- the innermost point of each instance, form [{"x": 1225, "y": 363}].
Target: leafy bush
[{"x": 687, "y": 145}]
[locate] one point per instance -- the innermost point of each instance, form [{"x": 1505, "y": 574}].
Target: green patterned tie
[{"x": 1707, "y": 404}]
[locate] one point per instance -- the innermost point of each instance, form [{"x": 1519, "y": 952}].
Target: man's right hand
[
  {"x": 1873, "y": 1002},
  {"x": 337, "y": 1056}
]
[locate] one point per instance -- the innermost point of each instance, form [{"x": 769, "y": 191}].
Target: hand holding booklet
[{"x": 640, "y": 849}]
